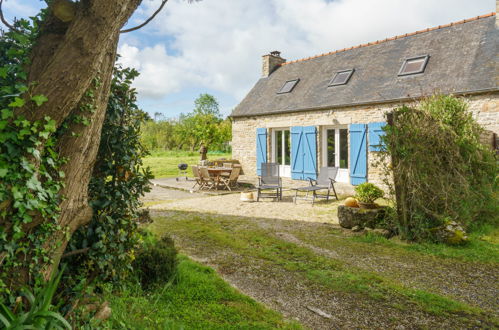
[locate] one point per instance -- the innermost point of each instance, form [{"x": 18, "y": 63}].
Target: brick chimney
[{"x": 271, "y": 62}]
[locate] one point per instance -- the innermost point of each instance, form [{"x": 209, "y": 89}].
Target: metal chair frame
[
  {"x": 269, "y": 180},
  {"x": 324, "y": 181}
]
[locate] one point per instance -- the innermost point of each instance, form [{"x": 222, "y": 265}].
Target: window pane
[
  {"x": 414, "y": 65},
  {"x": 288, "y": 86},
  {"x": 331, "y": 159},
  {"x": 287, "y": 148},
  {"x": 278, "y": 149},
  {"x": 341, "y": 77},
  {"x": 343, "y": 148}
]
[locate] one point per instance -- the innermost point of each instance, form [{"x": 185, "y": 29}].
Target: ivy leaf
[
  {"x": 17, "y": 103},
  {"x": 3, "y": 172},
  {"x": 3, "y": 72},
  {"x": 50, "y": 126},
  {"x": 33, "y": 183},
  {"x": 39, "y": 99},
  {"x": 6, "y": 113}
]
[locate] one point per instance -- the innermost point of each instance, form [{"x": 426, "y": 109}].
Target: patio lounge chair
[
  {"x": 269, "y": 180},
  {"x": 231, "y": 180},
  {"x": 325, "y": 181}
]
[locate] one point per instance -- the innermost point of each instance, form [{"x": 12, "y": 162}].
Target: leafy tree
[
  {"x": 55, "y": 77},
  {"x": 207, "y": 105}
]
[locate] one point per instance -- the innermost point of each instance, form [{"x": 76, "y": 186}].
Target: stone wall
[{"x": 484, "y": 107}]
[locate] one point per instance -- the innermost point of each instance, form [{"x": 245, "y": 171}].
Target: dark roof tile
[{"x": 463, "y": 58}]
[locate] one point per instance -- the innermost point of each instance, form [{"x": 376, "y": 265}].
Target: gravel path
[
  {"x": 195, "y": 221},
  {"x": 267, "y": 208}
]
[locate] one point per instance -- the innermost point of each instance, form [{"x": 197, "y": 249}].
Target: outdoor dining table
[{"x": 216, "y": 173}]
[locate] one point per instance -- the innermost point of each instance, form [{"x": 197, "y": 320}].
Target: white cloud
[{"x": 218, "y": 44}]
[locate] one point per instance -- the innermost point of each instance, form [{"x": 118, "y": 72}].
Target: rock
[
  {"x": 451, "y": 233},
  {"x": 382, "y": 232},
  {"x": 350, "y": 217},
  {"x": 319, "y": 312},
  {"x": 356, "y": 228}
]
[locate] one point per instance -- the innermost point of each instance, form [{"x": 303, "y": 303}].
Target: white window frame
[
  {"x": 284, "y": 170},
  {"x": 343, "y": 173}
]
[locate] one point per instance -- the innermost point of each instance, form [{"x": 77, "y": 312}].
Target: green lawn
[
  {"x": 164, "y": 163},
  {"x": 235, "y": 242},
  {"x": 197, "y": 299}
]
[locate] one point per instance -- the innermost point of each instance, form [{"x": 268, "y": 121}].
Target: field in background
[{"x": 163, "y": 164}]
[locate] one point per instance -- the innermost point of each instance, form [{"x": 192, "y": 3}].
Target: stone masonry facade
[{"x": 485, "y": 108}]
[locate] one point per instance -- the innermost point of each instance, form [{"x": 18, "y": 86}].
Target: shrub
[
  {"x": 368, "y": 193},
  {"x": 438, "y": 169},
  {"x": 156, "y": 263}
]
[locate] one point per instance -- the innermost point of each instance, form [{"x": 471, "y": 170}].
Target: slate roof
[{"x": 463, "y": 59}]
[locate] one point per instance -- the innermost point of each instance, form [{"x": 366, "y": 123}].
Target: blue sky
[{"x": 215, "y": 46}]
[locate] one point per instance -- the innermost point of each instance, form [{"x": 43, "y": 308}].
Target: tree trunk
[{"x": 66, "y": 60}]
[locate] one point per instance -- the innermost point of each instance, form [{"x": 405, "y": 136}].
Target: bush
[
  {"x": 439, "y": 171},
  {"x": 368, "y": 193},
  {"x": 156, "y": 263}
]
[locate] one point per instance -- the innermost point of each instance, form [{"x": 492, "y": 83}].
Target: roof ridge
[{"x": 393, "y": 38}]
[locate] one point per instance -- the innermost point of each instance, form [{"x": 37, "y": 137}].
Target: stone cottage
[{"x": 328, "y": 110}]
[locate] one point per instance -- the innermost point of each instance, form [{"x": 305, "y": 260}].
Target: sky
[{"x": 215, "y": 46}]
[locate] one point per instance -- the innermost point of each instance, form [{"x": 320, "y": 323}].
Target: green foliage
[
  {"x": 40, "y": 314},
  {"x": 118, "y": 181},
  {"x": 29, "y": 179},
  {"x": 156, "y": 263},
  {"x": 203, "y": 125},
  {"x": 441, "y": 171},
  {"x": 198, "y": 299},
  {"x": 368, "y": 192}
]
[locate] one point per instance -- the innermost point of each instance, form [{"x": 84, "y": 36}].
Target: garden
[{"x": 79, "y": 250}]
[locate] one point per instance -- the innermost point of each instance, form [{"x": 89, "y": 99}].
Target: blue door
[
  {"x": 303, "y": 152},
  {"x": 261, "y": 149},
  {"x": 358, "y": 154}
]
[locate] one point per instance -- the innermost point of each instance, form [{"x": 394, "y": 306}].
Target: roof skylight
[
  {"x": 341, "y": 77},
  {"x": 288, "y": 86},
  {"x": 414, "y": 65}
]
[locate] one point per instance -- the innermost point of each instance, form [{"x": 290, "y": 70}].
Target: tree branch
[
  {"x": 72, "y": 253},
  {"x": 4, "y": 21},
  {"x": 163, "y": 3}
]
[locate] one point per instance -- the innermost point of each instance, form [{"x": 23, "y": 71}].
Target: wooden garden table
[{"x": 216, "y": 173}]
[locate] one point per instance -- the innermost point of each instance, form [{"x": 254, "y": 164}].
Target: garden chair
[
  {"x": 325, "y": 181},
  {"x": 231, "y": 181},
  {"x": 197, "y": 177},
  {"x": 227, "y": 165},
  {"x": 208, "y": 181},
  {"x": 269, "y": 180}
]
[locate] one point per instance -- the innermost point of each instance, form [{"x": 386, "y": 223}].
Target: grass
[
  {"x": 197, "y": 299},
  {"x": 163, "y": 164},
  {"x": 250, "y": 242},
  {"x": 482, "y": 247}
]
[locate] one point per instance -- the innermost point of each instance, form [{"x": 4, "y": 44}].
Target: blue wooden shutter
[
  {"x": 297, "y": 153},
  {"x": 261, "y": 149},
  {"x": 309, "y": 152},
  {"x": 375, "y": 133},
  {"x": 358, "y": 154}
]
